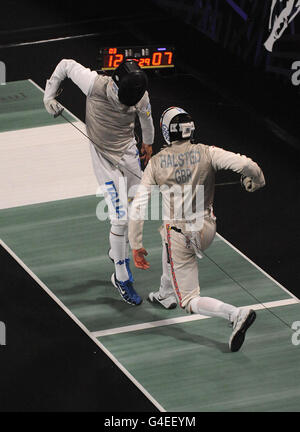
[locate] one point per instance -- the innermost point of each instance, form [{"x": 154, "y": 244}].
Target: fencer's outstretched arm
[
  {"x": 251, "y": 173},
  {"x": 81, "y": 76}
]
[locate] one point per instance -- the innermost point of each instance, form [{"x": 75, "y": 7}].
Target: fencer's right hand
[
  {"x": 250, "y": 185},
  {"x": 139, "y": 259},
  {"x": 53, "y": 107}
]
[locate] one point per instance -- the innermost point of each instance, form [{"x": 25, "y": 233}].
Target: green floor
[{"x": 186, "y": 366}]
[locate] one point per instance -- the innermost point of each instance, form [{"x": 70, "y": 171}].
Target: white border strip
[
  {"x": 82, "y": 326},
  {"x": 183, "y": 319},
  {"x": 256, "y": 266}
]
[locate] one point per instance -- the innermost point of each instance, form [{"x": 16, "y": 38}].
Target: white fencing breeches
[
  {"x": 117, "y": 184},
  {"x": 183, "y": 273}
]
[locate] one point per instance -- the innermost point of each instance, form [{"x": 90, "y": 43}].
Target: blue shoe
[{"x": 126, "y": 291}]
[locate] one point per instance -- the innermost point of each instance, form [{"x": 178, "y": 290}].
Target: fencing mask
[{"x": 132, "y": 82}]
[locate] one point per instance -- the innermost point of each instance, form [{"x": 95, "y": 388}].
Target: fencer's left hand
[
  {"x": 146, "y": 153},
  {"x": 139, "y": 258}
]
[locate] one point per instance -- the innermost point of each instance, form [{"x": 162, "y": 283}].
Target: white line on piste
[
  {"x": 82, "y": 326},
  {"x": 183, "y": 319}
]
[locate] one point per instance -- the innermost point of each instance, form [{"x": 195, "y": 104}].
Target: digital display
[{"x": 146, "y": 57}]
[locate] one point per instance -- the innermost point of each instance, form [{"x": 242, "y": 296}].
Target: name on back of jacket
[{"x": 181, "y": 159}]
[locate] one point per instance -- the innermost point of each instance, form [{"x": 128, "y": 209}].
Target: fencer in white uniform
[
  {"x": 112, "y": 105},
  {"x": 189, "y": 167}
]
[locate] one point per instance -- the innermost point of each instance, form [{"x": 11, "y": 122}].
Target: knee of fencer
[{"x": 118, "y": 229}]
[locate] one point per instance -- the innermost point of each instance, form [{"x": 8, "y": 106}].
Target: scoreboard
[{"x": 146, "y": 57}]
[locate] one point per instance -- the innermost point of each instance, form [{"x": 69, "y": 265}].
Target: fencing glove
[{"x": 53, "y": 107}]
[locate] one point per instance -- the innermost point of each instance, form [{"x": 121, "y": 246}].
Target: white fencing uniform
[
  {"x": 109, "y": 124},
  {"x": 183, "y": 164},
  {"x": 110, "y": 127}
]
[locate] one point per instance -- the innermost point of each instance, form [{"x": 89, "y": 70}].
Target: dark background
[{"x": 236, "y": 104}]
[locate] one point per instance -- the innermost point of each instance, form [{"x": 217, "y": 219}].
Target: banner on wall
[{"x": 280, "y": 18}]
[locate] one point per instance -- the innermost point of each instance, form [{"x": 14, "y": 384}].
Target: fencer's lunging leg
[
  {"x": 241, "y": 318},
  {"x": 212, "y": 307}
]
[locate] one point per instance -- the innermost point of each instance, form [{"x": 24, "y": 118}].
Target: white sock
[
  {"x": 118, "y": 246},
  {"x": 126, "y": 247},
  {"x": 212, "y": 307}
]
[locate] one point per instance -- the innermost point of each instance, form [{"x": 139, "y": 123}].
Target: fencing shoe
[
  {"x": 244, "y": 319},
  {"x": 126, "y": 291},
  {"x": 169, "y": 302}
]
